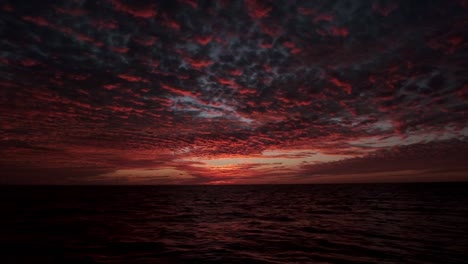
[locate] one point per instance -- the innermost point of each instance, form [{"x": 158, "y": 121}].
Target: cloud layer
[{"x": 182, "y": 92}]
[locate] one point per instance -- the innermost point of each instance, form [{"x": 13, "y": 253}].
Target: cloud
[
  {"x": 47, "y": 176},
  {"x": 125, "y": 86},
  {"x": 443, "y": 156},
  {"x": 140, "y": 11},
  {"x": 257, "y": 9}
]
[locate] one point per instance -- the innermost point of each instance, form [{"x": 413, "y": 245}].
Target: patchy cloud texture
[{"x": 213, "y": 92}]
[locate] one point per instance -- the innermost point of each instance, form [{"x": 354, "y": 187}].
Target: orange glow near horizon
[
  {"x": 185, "y": 96},
  {"x": 226, "y": 169}
]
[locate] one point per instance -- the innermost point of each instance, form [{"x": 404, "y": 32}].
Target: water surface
[{"x": 370, "y": 223}]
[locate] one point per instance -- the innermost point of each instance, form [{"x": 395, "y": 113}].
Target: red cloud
[
  {"x": 345, "y": 86},
  {"x": 257, "y": 9},
  {"x": 236, "y": 72},
  {"x": 192, "y": 3},
  {"x": 228, "y": 82},
  {"x": 131, "y": 78},
  {"x": 110, "y": 86},
  {"x": 271, "y": 28},
  {"x": 306, "y": 11},
  {"x": 40, "y": 21},
  {"x": 265, "y": 45},
  {"x": 323, "y": 17},
  {"x": 29, "y": 62},
  {"x": 137, "y": 11},
  {"x": 339, "y": 31},
  {"x": 146, "y": 40},
  {"x": 442, "y": 155},
  {"x": 105, "y": 24},
  {"x": 292, "y": 47},
  {"x": 169, "y": 95},
  {"x": 175, "y": 90},
  {"x": 121, "y": 50},
  {"x": 7, "y": 8},
  {"x": 198, "y": 63},
  {"x": 71, "y": 12},
  {"x": 171, "y": 23},
  {"x": 203, "y": 40}
]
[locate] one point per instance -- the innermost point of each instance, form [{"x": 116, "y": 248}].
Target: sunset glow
[{"x": 233, "y": 92}]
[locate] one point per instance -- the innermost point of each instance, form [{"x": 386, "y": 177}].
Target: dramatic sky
[{"x": 232, "y": 91}]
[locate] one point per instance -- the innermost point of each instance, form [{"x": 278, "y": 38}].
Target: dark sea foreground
[{"x": 373, "y": 223}]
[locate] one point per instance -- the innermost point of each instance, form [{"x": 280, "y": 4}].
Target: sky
[{"x": 233, "y": 92}]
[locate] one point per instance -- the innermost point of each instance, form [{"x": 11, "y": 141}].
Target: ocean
[{"x": 353, "y": 223}]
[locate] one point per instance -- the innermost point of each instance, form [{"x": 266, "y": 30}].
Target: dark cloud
[
  {"x": 442, "y": 156},
  {"x": 55, "y": 176},
  {"x": 118, "y": 84}
]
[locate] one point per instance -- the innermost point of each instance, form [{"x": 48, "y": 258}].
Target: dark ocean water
[{"x": 373, "y": 223}]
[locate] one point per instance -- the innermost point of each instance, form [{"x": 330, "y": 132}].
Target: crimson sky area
[{"x": 233, "y": 92}]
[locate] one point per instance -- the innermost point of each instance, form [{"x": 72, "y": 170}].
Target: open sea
[{"x": 355, "y": 223}]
